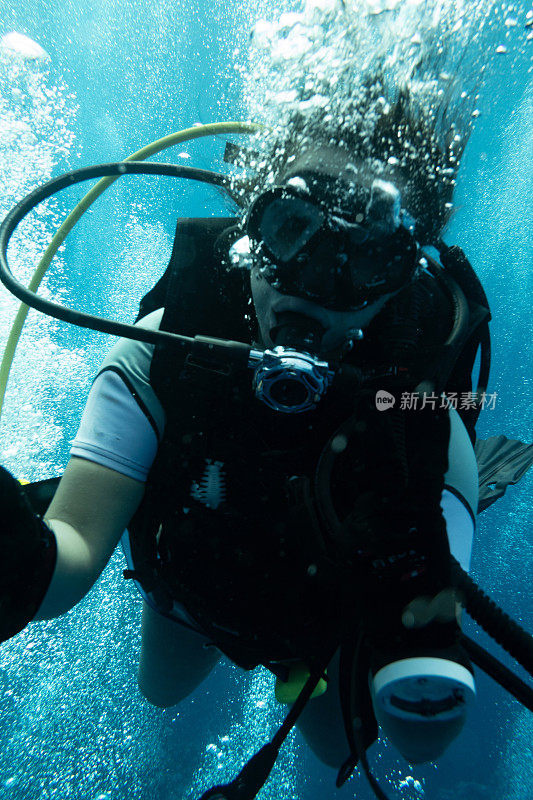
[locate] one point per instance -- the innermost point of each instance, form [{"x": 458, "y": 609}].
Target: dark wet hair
[{"x": 418, "y": 150}]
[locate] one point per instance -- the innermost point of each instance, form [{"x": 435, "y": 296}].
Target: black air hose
[
  {"x": 498, "y": 672},
  {"x": 499, "y": 625}
]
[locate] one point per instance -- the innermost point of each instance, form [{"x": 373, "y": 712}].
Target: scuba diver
[{"x": 301, "y": 516}]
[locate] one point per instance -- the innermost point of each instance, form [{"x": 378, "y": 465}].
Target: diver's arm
[
  {"x": 91, "y": 508},
  {"x": 47, "y": 567},
  {"x": 104, "y": 481}
]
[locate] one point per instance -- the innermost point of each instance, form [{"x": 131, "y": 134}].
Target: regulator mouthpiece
[
  {"x": 290, "y": 378},
  {"x": 292, "y": 382}
]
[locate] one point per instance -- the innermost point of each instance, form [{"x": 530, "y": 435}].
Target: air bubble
[
  {"x": 339, "y": 443},
  {"x": 22, "y": 46}
]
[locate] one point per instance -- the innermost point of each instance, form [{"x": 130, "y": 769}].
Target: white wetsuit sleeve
[
  {"x": 113, "y": 431},
  {"x": 123, "y": 420},
  {"x": 459, "y": 526},
  {"x": 460, "y": 496}
]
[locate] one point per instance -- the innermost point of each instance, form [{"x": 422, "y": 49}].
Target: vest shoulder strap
[{"x": 194, "y": 292}]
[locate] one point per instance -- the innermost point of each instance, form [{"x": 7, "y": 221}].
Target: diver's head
[{"x": 331, "y": 243}]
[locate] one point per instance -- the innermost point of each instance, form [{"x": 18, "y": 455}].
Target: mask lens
[
  {"x": 341, "y": 265},
  {"x": 286, "y": 225}
]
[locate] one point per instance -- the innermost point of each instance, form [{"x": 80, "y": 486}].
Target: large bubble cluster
[
  {"x": 394, "y": 83},
  {"x": 37, "y": 117}
]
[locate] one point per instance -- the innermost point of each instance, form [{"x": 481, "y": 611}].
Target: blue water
[{"x": 120, "y": 75}]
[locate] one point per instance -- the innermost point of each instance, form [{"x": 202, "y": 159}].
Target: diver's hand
[{"x": 27, "y": 558}]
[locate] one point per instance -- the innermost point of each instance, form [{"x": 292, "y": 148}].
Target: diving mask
[{"x": 339, "y": 260}]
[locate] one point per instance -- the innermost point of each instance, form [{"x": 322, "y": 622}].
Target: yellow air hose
[{"x": 186, "y": 135}]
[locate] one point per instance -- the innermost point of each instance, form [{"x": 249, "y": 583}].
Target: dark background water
[{"x": 72, "y": 724}]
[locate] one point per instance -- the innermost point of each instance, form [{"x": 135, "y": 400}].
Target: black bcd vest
[{"x": 229, "y": 524}]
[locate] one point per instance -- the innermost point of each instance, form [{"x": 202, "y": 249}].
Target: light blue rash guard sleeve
[{"x": 123, "y": 420}]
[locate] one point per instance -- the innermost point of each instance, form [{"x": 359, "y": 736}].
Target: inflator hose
[
  {"x": 455, "y": 341},
  {"x": 59, "y": 237}
]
